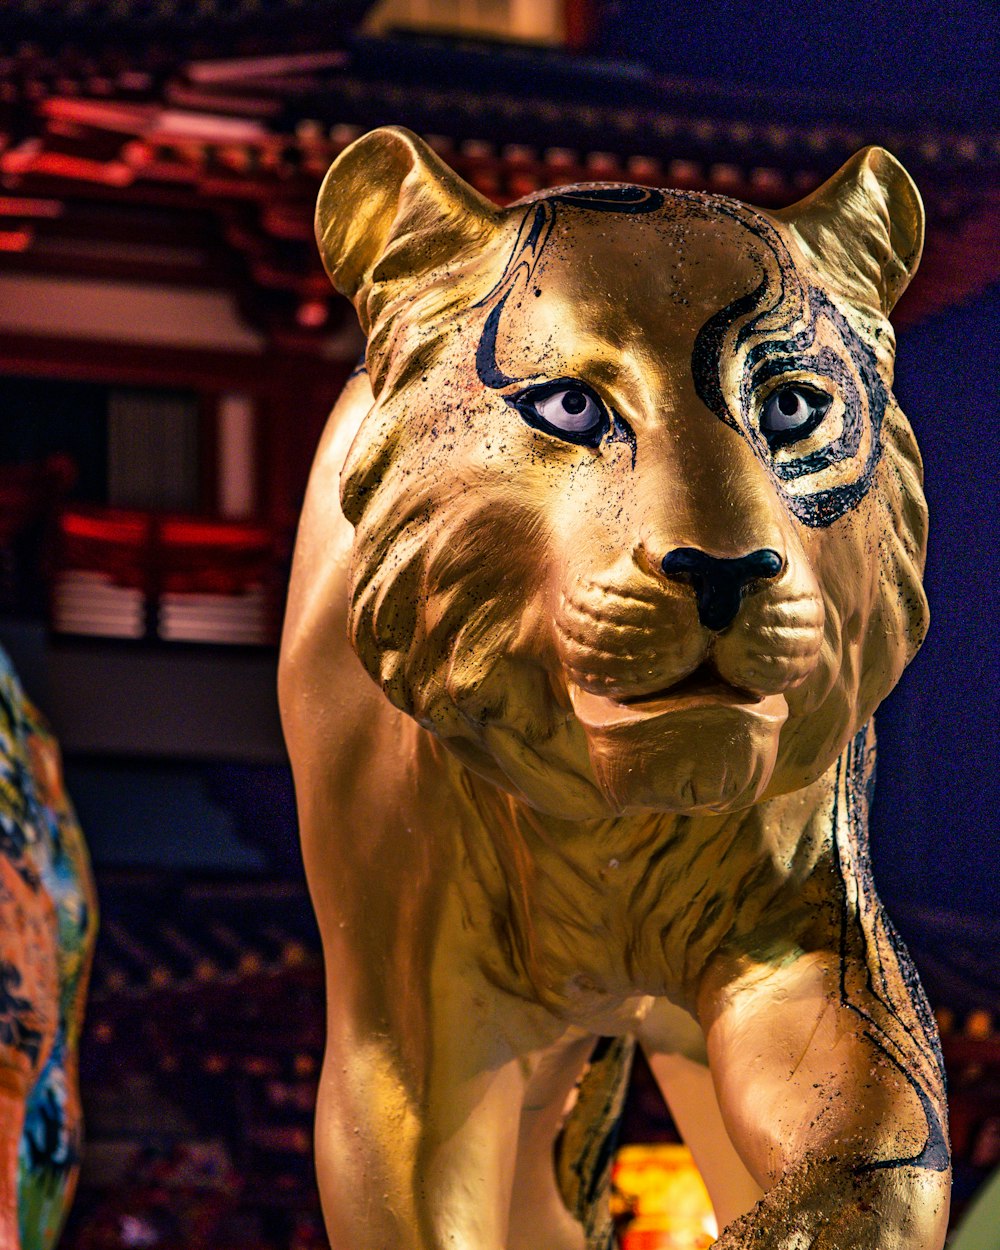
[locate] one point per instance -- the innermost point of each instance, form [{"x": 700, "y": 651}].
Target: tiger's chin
[
  {"x": 713, "y": 750},
  {"x": 682, "y": 754}
]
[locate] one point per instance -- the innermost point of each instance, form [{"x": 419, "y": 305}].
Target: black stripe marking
[
  {"x": 849, "y": 847},
  {"x": 774, "y": 356}
]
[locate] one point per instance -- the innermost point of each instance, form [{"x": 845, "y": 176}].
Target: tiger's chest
[
  {"x": 595, "y": 932},
  {"x": 594, "y": 921}
]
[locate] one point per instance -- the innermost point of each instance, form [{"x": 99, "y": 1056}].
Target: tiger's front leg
[
  {"x": 419, "y": 1111},
  {"x": 841, "y": 1126},
  {"x": 826, "y": 1061},
  {"x": 411, "y": 1160}
]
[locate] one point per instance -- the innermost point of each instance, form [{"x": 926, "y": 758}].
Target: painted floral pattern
[{"x": 48, "y": 922}]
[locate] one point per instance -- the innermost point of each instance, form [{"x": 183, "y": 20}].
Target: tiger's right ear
[
  {"x": 863, "y": 228},
  {"x": 390, "y": 210}
]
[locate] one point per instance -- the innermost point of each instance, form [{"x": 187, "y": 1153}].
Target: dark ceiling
[{"x": 934, "y": 61}]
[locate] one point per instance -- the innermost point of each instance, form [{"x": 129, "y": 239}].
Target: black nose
[{"x": 719, "y": 584}]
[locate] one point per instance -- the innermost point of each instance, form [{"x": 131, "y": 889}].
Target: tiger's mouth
[
  {"x": 703, "y": 682},
  {"x": 704, "y": 690}
]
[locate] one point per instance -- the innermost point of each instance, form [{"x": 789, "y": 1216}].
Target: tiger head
[{"x": 638, "y": 522}]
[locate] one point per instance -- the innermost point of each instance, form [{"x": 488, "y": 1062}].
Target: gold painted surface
[{"x": 558, "y": 777}]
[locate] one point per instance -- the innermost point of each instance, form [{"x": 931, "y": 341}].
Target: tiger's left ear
[
  {"x": 863, "y": 228},
  {"x": 389, "y": 211}
]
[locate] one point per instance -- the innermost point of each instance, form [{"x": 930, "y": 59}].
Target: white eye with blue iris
[
  {"x": 570, "y": 410},
  {"x": 793, "y": 412}
]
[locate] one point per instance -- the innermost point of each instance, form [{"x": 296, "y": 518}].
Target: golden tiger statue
[{"x": 608, "y": 556}]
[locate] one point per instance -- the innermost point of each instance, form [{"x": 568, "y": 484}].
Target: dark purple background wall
[
  {"x": 936, "y": 831},
  {"x": 939, "y": 58}
]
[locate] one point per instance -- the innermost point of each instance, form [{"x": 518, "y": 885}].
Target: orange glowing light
[{"x": 660, "y": 1201}]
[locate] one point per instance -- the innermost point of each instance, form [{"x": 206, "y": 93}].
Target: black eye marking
[
  {"x": 490, "y": 374},
  {"x": 897, "y": 1021},
  {"x": 855, "y": 375},
  {"x": 536, "y": 227},
  {"x": 622, "y": 432},
  {"x": 792, "y": 412},
  {"x": 767, "y": 362}
]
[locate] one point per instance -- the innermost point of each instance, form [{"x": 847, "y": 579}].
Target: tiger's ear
[
  {"x": 390, "y": 209},
  {"x": 863, "y": 228}
]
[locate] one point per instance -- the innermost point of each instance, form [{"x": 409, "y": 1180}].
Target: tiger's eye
[
  {"x": 569, "y": 410},
  {"x": 789, "y": 403},
  {"x": 791, "y": 413},
  {"x": 574, "y": 402}
]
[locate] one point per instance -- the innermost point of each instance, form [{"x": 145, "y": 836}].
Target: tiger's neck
[{"x": 603, "y": 911}]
